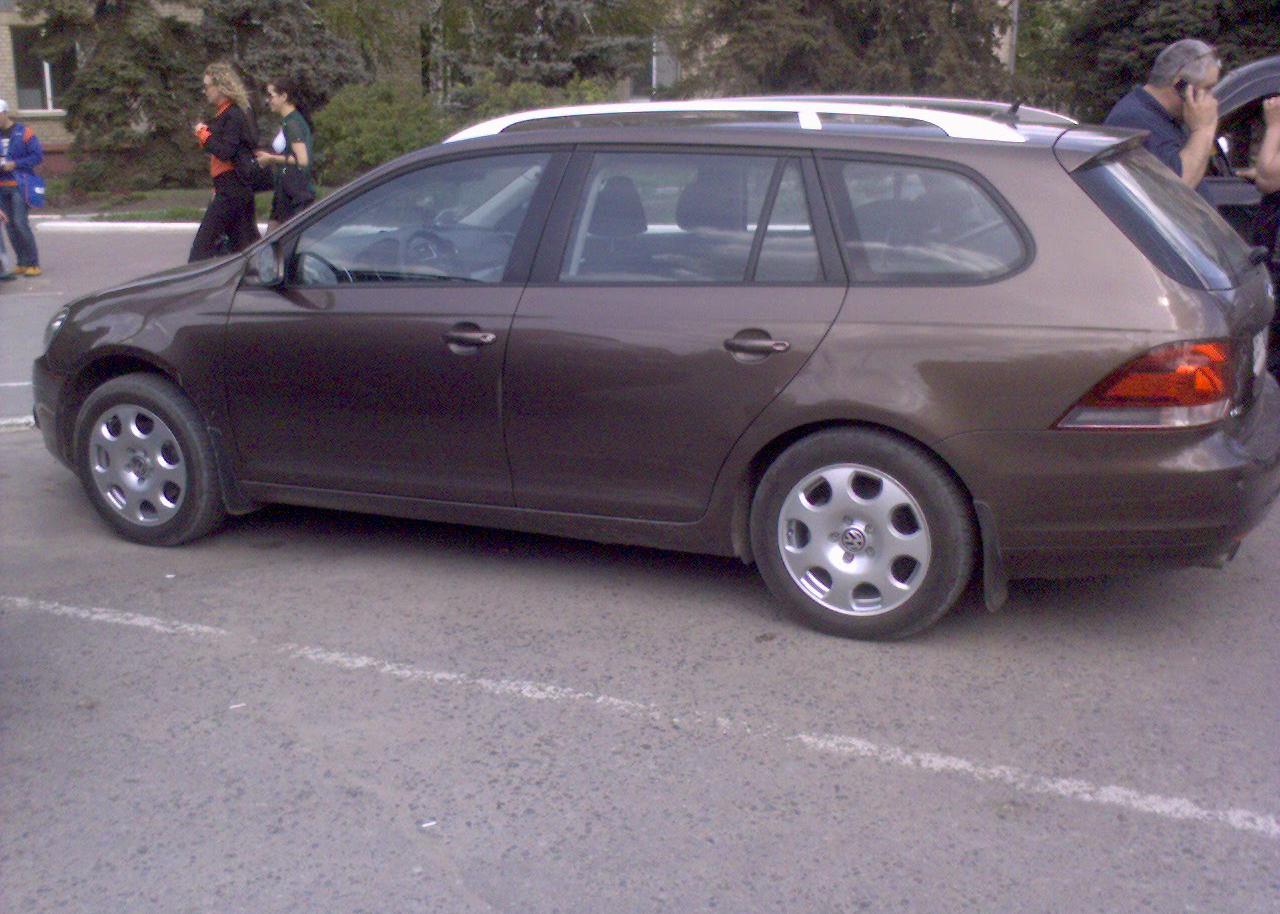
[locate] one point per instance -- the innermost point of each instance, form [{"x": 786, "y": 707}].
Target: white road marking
[
  {"x": 17, "y": 422},
  {"x": 15, "y": 383},
  {"x": 534, "y": 691},
  {"x": 1026, "y": 782},
  {"x": 1160, "y": 806},
  {"x": 115, "y": 617}
]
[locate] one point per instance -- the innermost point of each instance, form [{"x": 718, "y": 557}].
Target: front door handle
[
  {"x": 752, "y": 346},
  {"x": 469, "y": 335}
]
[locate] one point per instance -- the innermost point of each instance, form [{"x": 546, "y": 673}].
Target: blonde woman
[{"x": 229, "y": 138}]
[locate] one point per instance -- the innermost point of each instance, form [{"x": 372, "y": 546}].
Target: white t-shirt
[{"x": 278, "y": 144}]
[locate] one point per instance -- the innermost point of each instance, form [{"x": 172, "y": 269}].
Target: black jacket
[{"x": 231, "y": 141}]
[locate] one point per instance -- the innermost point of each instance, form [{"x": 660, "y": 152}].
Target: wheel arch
[
  {"x": 118, "y": 363},
  {"x": 980, "y": 515}
]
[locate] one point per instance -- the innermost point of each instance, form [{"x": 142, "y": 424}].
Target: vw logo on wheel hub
[{"x": 853, "y": 540}]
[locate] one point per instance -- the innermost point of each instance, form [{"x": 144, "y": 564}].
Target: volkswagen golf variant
[{"x": 875, "y": 350}]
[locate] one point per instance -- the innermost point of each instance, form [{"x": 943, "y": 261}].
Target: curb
[{"x": 67, "y": 224}]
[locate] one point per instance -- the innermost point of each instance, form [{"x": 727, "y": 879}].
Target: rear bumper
[{"x": 1067, "y": 503}]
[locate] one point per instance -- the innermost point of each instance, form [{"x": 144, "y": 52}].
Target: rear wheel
[
  {"x": 146, "y": 463},
  {"x": 862, "y": 534}
]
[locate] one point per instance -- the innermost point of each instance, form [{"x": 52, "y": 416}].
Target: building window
[{"x": 41, "y": 82}]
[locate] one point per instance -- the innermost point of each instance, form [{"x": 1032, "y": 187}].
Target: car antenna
[{"x": 1011, "y": 116}]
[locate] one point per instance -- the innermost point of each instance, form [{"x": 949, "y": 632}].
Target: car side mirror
[{"x": 268, "y": 266}]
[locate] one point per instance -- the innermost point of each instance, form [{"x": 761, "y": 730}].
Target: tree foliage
[
  {"x": 1110, "y": 45},
  {"x": 923, "y": 46},
  {"x": 388, "y": 34},
  {"x": 278, "y": 38},
  {"x": 134, "y": 96},
  {"x": 550, "y": 42}
]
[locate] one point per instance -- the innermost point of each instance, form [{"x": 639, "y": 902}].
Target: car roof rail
[
  {"x": 809, "y": 114},
  {"x": 996, "y": 110}
]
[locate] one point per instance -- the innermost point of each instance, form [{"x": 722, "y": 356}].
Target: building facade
[{"x": 33, "y": 86}]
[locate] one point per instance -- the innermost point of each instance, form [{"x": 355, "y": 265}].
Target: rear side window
[
  {"x": 910, "y": 223},
  {"x": 1176, "y": 228},
  {"x": 668, "y": 217}
]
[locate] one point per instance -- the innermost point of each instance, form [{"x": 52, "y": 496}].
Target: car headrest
[
  {"x": 710, "y": 202},
  {"x": 618, "y": 212}
]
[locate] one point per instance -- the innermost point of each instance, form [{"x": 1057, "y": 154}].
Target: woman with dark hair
[
  {"x": 229, "y": 139},
  {"x": 290, "y": 154}
]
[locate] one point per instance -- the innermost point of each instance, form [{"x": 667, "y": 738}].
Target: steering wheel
[{"x": 428, "y": 248}]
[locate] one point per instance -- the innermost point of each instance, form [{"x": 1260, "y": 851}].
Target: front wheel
[
  {"x": 862, "y": 534},
  {"x": 146, "y": 462}
]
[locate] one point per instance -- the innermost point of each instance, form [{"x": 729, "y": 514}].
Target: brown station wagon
[{"x": 873, "y": 349}]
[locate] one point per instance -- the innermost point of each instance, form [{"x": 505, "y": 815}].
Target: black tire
[
  {"x": 887, "y": 477},
  {"x": 145, "y": 460}
]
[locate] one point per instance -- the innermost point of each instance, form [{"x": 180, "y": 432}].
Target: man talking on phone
[{"x": 1177, "y": 108}]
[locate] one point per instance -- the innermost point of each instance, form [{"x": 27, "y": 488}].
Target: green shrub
[{"x": 364, "y": 126}]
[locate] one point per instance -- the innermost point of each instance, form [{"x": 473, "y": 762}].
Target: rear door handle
[{"x": 750, "y": 346}]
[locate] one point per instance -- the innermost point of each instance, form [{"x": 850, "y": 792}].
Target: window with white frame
[{"x": 41, "y": 82}]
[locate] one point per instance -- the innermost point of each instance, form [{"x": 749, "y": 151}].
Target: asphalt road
[{"x": 313, "y": 711}]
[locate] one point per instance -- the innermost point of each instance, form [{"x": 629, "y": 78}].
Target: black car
[{"x": 1240, "y": 128}]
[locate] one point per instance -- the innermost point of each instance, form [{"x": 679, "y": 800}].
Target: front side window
[
  {"x": 668, "y": 217},
  {"x": 456, "y": 221},
  {"x": 911, "y": 223}
]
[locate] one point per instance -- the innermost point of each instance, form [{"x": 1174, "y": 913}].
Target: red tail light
[{"x": 1174, "y": 386}]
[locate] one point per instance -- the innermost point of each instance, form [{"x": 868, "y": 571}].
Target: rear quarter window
[
  {"x": 1176, "y": 228},
  {"x": 909, "y": 223}
]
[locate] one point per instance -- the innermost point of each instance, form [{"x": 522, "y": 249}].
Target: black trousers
[{"x": 228, "y": 225}]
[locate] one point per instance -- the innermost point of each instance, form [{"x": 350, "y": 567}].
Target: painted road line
[
  {"x": 17, "y": 422},
  {"x": 1025, "y": 782},
  {"x": 115, "y": 617},
  {"x": 1177, "y": 809},
  {"x": 15, "y": 383}
]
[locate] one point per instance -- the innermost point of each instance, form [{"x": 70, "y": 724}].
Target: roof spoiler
[{"x": 1077, "y": 147}]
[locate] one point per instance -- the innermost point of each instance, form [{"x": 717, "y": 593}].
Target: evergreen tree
[
  {"x": 134, "y": 96},
  {"x": 1111, "y": 45},
  {"x": 549, "y": 42},
  {"x": 278, "y": 38},
  {"x": 389, "y": 35},
  {"x": 849, "y": 46}
]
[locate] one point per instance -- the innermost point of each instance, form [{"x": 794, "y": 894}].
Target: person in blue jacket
[{"x": 20, "y": 153}]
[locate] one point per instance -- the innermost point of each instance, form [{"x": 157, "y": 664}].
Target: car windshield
[{"x": 1176, "y": 227}]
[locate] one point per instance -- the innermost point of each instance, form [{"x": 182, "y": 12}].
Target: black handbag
[
  {"x": 295, "y": 185},
  {"x": 253, "y": 174}
]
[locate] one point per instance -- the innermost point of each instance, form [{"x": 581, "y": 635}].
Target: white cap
[{"x": 4, "y": 106}]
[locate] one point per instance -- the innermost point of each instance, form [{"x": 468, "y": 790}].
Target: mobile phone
[{"x": 1181, "y": 87}]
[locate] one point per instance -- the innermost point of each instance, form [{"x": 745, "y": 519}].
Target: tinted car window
[
  {"x": 667, "y": 217},
  {"x": 454, "y": 221},
  {"x": 790, "y": 251},
  {"x": 906, "y": 222},
  {"x": 1173, "y": 225}
]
